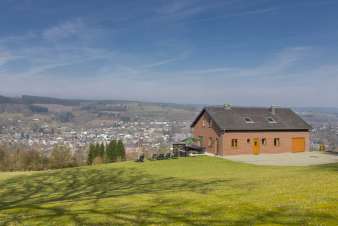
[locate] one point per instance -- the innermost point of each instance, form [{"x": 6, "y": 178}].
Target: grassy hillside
[{"x": 192, "y": 191}]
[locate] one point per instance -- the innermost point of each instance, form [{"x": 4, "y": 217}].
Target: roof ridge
[{"x": 247, "y": 107}]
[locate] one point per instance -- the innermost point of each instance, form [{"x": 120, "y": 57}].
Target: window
[
  {"x": 210, "y": 142},
  {"x": 234, "y": 143},
  {"x": 210, "y": 123},
  {"x": 203, "y": 123},
  {"x": 271, "y": 120},
  {"x": 276, "y": 142},
  {"x": 248, "y": 120},
  {"x": 248, "y": 141},
  {"x": 264, "y": 141},
  {"x": 200, "y": 138}
]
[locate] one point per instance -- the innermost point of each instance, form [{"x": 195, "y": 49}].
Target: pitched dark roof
[{"x": 234, "y": 119}]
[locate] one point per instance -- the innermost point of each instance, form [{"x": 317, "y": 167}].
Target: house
[{"x": 250, "y": 130}]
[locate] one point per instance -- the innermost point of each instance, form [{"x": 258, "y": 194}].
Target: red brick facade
[{"x": 229, "y": 143}]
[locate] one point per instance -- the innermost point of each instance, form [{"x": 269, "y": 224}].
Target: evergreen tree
[
  {"x": 120, "y": 150},
  {"x": 117, "y": 151},
  {"x": 91, "y": 154},
  {"x": 97, "y": 150},
  {"x": 114, "y": 153},
  {"x": 96, "y": 153},
  {"x": 102, "y": 151},
  {"x": 110, "y": 151},
  {"x": 123, "y": 152}
]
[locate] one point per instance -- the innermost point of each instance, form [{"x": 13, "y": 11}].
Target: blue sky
[{"x": 261, "y": 52}]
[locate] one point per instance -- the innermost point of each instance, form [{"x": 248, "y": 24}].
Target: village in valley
[
  {"x": 147, "y": 134},
  {"x": 78, "y": 126}
]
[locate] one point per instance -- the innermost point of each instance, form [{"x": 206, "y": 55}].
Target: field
[{"x": 192, "y": 191}]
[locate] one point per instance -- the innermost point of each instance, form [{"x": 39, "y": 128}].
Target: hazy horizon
[
  {"x": 253, "y": 53},
  {"x": 163, "y": 102}
]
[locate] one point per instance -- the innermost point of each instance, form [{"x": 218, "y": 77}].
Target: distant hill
[
  {"x": 28, "y": 99},
  {"x": 330, "y": 110},
  {"x": 120, "y": 105},
  {"x": 10, "y": 100},
  {"x": 125, "y": 108},
  {"x": 49, "y": 100}
]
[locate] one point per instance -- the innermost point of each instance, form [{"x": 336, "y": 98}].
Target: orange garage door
[{"x": 298, "y": 144}]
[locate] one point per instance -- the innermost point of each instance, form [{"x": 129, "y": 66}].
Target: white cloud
[
  {"x": 170, "y": 60},
  {"x": 274, "y": 66},
  {"x": 182, "y": 9},
  {"x": 64, "y": 30}
]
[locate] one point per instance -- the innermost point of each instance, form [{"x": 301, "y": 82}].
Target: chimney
[
  {"x": 227, "y": 106},
  {"x": 273, "y": 110}
]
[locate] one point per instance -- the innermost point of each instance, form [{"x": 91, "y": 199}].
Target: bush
[{"x": 61, "y": 157}]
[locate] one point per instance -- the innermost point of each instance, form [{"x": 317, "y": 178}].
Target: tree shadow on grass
[
  {"x": 174, "y": 212},
  {"x": 78, "y": 184},
  {"x": 329, "y": 167},
  {"x": 47, "y": 198}
]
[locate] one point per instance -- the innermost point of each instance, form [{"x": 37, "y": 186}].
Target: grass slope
[{"x": 192, "y": 191}]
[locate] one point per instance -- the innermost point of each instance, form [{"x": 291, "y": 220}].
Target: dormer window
[
  {"x": 248, "y": 120},
  {"x": 271, "y": 120}
]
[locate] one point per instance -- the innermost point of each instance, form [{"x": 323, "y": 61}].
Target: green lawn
[{"x": 191, "y": 191}]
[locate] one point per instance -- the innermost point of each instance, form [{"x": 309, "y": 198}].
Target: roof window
[
  {"x": 248, "y": 120},
  {"x": 271, "y": 120}
]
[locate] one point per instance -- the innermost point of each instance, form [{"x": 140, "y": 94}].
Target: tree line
[
  {"x": 17, "y": 157},
  {"x": 23, "y": 158},
  {"x": 114, "y": 151}
]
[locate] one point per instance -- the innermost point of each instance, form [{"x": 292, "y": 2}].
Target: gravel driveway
[{"x": 287, "y": 159}]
